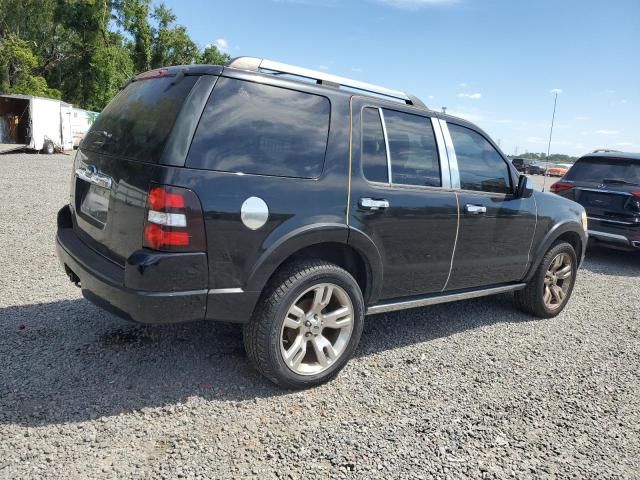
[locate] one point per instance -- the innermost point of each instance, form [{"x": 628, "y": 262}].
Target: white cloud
[
  {"x": 222, "y": 44},
  {"x": 462, "y": 85},
  {"x": 323, "y": 67},
  {"x": 471, "y": 116},
  {"x": 624, "y": 144},
  {"x": 430, "y": 97},
  {"x": 608, "y": 93},
  {"x": 556, "y": 90},
  {"x": 607, "y": 132},
  {"x": 414, "y": 4},
  {"x": 580, "y": 118},
  {"x": 473, "y": 96},
  {"x": 356, "y": 69}
]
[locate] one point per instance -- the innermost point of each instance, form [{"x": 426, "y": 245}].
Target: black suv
[
  {"x": 607, "y": 184},
  {"x": 297, "y": 202}
]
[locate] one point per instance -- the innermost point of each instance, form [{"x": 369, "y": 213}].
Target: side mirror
[{"x": 525, "y": 187}]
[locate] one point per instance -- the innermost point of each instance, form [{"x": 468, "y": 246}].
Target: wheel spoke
[
  {"x": 294, "y": 317},
  {"x": 558, "y": 293},
  {"x": 556, "y": 264},
  {"x": 321, "y": 297},
  {"x": 564, "y": 272},
  {"x": 339, "y": 318},
  {"x": 547, "y": 295},
  {"x": 296, "y": 352},
  {"x": 325, "y": 353}
]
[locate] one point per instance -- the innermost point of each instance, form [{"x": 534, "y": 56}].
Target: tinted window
[
  {"x": 252, "y": 128},
  {"x": 137, "y": 122},
  {"x": 412, "y": 147},
  {"x": 374, "y": 154},
  {"x": 594, "y": 169},
  {"x": 481, "y": 166}
]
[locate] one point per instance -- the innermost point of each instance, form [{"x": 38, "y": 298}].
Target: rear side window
[
  {"x": 413, "y": 150},
  {"x": 137, "y": 122},
  {"x": 598, "y": 169},
  {"x": 480, "y": 165},
  {"x": 374, "y": 153},
  {"x": 260, "y": 129}
]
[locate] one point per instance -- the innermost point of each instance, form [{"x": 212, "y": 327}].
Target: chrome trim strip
[
  {"x": 611, "y": 236},
  {"x": 386, "y": 145},
  {"x": 422, "y": 302},
  {"x": 215, "y": 291},
  {"x": 455, "y": 243},
  {"x": 445, "y": 170},
  {"x": 94, "y": 177},
  {"x": 612, "y": 221},
  {"x": 451, "y": 153},
  {"x": 598, "y": 190}
]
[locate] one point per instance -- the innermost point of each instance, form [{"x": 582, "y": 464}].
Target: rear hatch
[
  {"x": 608, "y": 188},
  {"x": 120, "y": 158}
]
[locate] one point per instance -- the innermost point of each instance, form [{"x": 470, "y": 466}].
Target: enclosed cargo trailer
[{"x": 34, "y": 123}]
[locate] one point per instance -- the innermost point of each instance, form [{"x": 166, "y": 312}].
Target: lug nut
[
  {"x": 308, "y": 334},
  {"x": 307, "y": 323}
]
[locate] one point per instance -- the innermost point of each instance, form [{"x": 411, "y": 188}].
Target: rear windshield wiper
[{"x": 618, "y": 180}]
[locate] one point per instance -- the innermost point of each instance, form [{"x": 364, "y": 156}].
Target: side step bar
[{"x": 435, "y": 299}]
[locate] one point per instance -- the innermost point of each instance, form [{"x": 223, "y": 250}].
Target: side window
[
  {"x": 481, "y": 167},
  {"x": 413, "y": 149},
  {"x": 260, "y": 129},
  {"x": 374, "y": 153}
]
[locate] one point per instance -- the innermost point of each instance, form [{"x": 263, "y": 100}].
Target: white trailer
[
  {"x": 81, "y": 121},
  {"x": 35, "y": 123}
]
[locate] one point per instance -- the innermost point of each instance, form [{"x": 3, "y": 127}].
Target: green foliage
[{"x": 84, "y": 50}]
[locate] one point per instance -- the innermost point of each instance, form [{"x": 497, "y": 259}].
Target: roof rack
[
  {"x": 606, "y": 150},
  {"x": 256, "y": 64}
]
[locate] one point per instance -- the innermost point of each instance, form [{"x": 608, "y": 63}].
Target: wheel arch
[
  {"x": 330, "y": 242},
  {"x": 569, "y": 231}
]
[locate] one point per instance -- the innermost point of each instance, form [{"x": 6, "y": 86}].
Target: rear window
[
  {"x": 137, "y": 122},
  {"x": 598, "y": 169},
  {"x": 260, "y": 129}
]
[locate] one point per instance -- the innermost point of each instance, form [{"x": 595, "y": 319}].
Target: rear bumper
[
  {"x": 102, "y": 285},
  {"x": 152, "y": 288},
  {"x": 614, "y": 233}
]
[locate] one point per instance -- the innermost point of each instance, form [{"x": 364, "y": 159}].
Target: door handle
[
  {"x": 372, "y": 204},
  {"x": 475, "y": 209}
]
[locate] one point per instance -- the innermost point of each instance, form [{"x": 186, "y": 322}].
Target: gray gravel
[{"x": 474, "y": 389}]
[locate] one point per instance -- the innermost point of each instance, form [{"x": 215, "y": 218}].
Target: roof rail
[{"x": 256, "y": 64}]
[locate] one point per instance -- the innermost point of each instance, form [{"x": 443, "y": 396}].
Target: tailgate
[{"x": 604, "y": 203}]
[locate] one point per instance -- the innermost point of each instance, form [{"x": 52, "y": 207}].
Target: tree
[
  {"x": 171, "y": 44},
  {"x": 212, "y": 56},
  {"x": 133, "y": 15}
]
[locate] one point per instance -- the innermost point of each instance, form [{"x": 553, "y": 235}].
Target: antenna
[{"x": 553, "y": 117}]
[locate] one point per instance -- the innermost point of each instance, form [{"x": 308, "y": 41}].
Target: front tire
[
  {"x": 550, "y": 288},
  {"x": 307, "y": 325},
  {"x": 48, "y": 147}
]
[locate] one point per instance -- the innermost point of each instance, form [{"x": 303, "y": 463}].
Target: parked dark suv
[
  {"x": 607, "y": 184},
  {"x": 278, "y": 197}
]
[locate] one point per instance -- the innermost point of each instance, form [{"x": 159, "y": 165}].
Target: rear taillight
[
  {"x": 560, "y": 187},
  {"x": 634, "y": 202},
  {"x": 174, "y": 221}
]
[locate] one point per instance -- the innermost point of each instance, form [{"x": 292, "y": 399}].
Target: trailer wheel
[{"x": 48, "y": 147}]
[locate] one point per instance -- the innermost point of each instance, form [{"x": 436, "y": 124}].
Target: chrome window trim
[
  {"x": 386, "y": 145},
  {"x": 445, "y": 170},
  {"x": 454, "y": 171},
  {"x": 599, "y": 190}
]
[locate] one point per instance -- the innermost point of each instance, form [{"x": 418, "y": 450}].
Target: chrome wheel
[
  {"x": 316, "y": 329},
  {"x": 557, "y": 281}
]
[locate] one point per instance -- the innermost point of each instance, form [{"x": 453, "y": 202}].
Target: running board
[{"x": 435, "y": 299}]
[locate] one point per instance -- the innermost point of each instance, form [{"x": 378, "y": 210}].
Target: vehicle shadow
[
  {"x": 69, "y": 361},
  {"x": 608, "y": 261}
]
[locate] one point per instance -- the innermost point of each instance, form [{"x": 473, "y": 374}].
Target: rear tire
[
  {"x": 550, "y": 288},
  {"x": 306, "y": 326}
]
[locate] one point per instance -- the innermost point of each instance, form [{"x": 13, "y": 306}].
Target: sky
[{"x": 496, "y": 63}]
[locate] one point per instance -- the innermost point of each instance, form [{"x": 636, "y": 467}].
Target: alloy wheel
[
  {"x": 557, "y": 281},
  {"x": 316, "y": 329}
]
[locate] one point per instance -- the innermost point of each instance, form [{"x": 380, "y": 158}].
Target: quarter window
[
  {"x": 481, "y": 167},
  {"x": 260, "y": 129}
]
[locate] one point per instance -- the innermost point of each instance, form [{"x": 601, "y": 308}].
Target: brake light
[
  {"x": 561, "y": 187},
  {"x": 174, "y": 221},
  {"x": 160, "y": 72}
]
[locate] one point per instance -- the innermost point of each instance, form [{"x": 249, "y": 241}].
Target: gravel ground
[{"x": 473, "y": 389}]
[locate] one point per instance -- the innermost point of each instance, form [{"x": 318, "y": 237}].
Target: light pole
[{"x": 555, "y": 91}]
